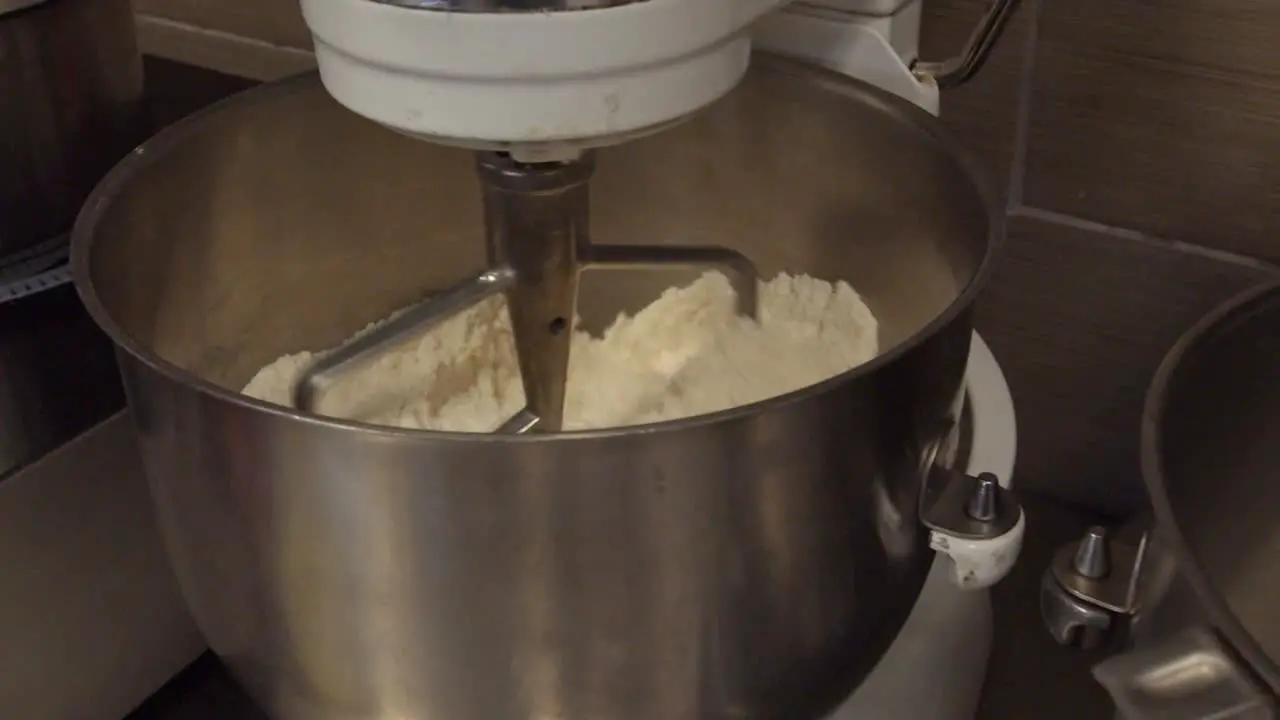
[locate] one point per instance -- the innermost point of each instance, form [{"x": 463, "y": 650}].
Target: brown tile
[
  {"x": 1080, "y": 321},
  {"x": 982, "y": 113},
  {"x": 277, "y": 22},
  {"x": 1161, "y": 116}
]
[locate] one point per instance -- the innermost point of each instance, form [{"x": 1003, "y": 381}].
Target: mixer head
[{"x": 541, "y": 79}]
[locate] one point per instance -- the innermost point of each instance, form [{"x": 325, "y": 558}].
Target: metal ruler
[{"x": 43, "y": 268}]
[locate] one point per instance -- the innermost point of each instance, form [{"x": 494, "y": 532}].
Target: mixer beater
[{"x": 537, "y": 235}]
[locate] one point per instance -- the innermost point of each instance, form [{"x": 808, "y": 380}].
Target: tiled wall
[{"x": 1137, "y": 143}]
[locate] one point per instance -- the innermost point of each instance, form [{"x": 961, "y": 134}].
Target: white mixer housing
[
  {"x": 545, "y": 84},
  {"x": 876, "y": 41}
]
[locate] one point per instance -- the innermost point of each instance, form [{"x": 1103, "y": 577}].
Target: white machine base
[{"x": 936, "y": 668}]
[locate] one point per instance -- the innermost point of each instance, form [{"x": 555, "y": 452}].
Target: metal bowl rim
[
  {"x": 1152, "y": 464},
  {"x": 172, "y": 137},
  {"x": 13, "y": 6}
]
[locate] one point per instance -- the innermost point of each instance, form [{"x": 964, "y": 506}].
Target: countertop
[{"x": 1029, "y": 675}]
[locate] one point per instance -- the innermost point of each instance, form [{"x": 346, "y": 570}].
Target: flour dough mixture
[{"x": 687, "y": 353}]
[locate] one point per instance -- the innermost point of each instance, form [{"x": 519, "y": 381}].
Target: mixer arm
[{"x": 957, "y": 70}]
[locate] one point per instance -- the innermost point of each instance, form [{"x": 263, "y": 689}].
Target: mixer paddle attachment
[{"x": 538, "y": 241}]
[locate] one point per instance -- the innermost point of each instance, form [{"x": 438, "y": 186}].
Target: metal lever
[{"x": 959, "y": 69}]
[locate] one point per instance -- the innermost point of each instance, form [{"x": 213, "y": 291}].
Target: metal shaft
[{"x": 536, "y": 225}]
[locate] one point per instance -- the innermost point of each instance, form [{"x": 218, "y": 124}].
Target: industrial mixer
[{"x": 756, "y": 562}]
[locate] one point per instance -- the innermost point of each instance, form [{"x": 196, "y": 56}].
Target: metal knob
[
  {"x": 1093, "y": 556},
  {"x": 984, "y": 503},
  {"x": 968, "y": 507},
  {"x": 959, "y": 69},
  {"x": 1088, "y": 588}
]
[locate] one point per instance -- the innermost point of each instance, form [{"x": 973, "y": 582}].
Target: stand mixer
[
  {"x": 534, "y": 86},
  {"x": 758, "y": 562}
]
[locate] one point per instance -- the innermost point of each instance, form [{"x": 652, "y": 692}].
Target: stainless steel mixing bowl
[{"x": 754, "y": 563}]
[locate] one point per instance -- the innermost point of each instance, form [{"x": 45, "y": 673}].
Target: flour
[{"x": 687, "y": 353}]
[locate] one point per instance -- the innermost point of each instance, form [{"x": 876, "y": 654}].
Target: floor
[{"x": 1029, "y": 676}]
